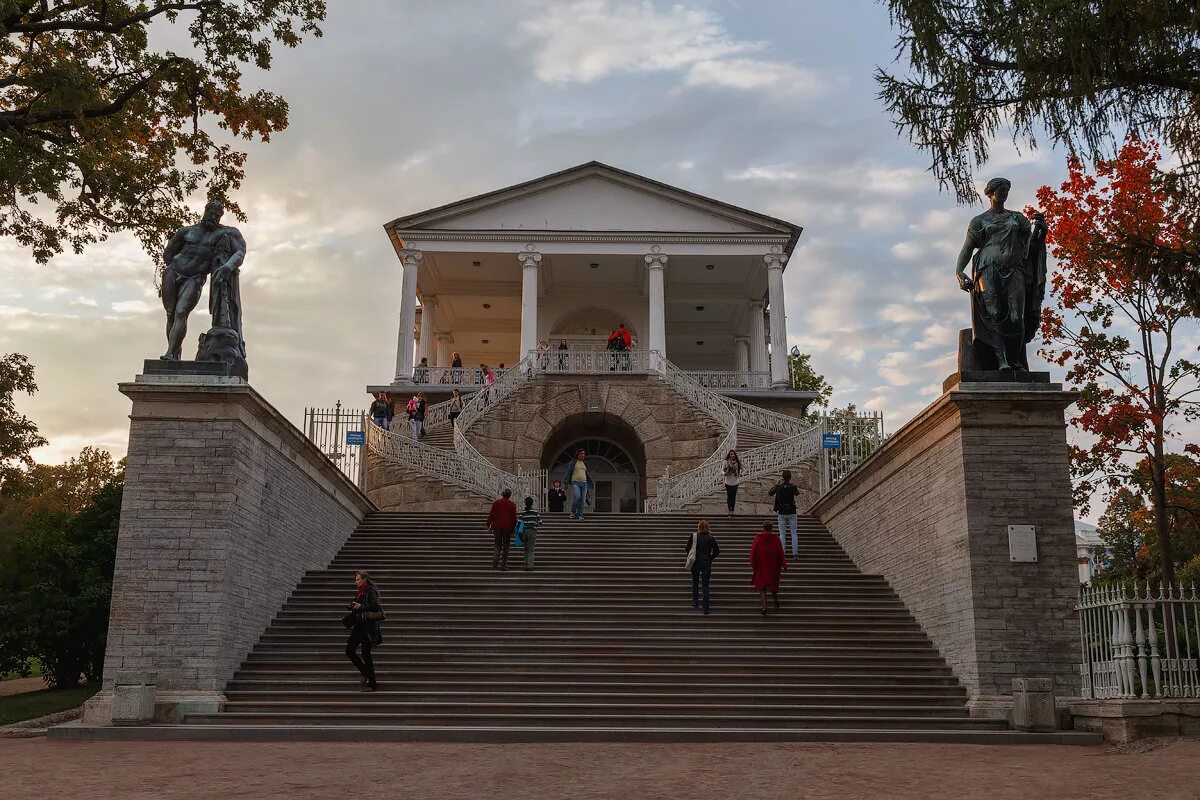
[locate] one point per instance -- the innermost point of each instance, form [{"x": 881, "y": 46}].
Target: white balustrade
[
  {"x": 799, "y": 439},
  {"x": 731, "y": 379},
  {"x": 1139, "y": 642}
]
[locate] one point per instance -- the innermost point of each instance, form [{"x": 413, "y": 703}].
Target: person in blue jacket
[{"x": 577, "y": 477}]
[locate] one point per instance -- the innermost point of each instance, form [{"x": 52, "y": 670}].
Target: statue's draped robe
[
  {"x": 224, "y": 296},
  {"x": 1009, "y": 286}
]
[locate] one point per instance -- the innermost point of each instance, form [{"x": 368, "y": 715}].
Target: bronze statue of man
[
  {"x": 1008, "y": 281},
  {"x": 195, "y": 252}
]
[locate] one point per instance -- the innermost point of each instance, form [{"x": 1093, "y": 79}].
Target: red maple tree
[{"x": 1122, "y": 242}]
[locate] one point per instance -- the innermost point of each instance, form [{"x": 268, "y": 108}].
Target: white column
[
  {"x": 441, "y": 361},
  {"x": 758, "y": 338},
  {"x": 779, "y": 349},
  {"x": 408, "y": 315},
  {"x": 530, "y": 260},
  {"x": 656, "y": 337},
  {"x": 428, "y": 309},
  {"x": 741, "y": 357}
]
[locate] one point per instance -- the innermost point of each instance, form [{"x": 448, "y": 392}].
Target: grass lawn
[
  {"x": 31, "y": 705},
  {"x": 35, "y": 671}
]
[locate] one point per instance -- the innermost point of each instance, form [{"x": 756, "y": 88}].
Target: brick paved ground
[
  {"x": 133, "y": 771},
  {"x": 20, "y": 686}
]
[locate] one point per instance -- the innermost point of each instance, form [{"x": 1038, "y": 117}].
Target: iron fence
[{"x": 327, "y": 428}]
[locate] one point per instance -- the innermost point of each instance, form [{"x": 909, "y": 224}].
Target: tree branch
[
  {"x": 22, "y": 120},
  {"x": 100, "y": 26}
]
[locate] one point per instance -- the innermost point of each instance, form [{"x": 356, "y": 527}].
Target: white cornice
[{"x": 649, "y": 237}]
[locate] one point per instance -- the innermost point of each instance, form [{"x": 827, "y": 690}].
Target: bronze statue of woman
[{"x": 1008, "y": 280}]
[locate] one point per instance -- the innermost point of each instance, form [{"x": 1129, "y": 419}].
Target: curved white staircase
[{"x": 767, "y": 441}]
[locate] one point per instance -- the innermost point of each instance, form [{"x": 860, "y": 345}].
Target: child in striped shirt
[{"x": 531, "y": 520}]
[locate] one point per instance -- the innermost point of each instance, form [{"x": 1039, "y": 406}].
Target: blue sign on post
[
  {"x": 356, "y": 437},
  {"x": 831, "y": 441}
]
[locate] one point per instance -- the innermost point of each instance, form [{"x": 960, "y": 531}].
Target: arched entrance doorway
[{"x": 614, "y": 456}]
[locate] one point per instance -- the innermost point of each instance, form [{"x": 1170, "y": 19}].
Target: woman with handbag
[
  {"x": 366, "y": 612},
  {"x": 702, "y": 550},
  {"x": 733, "y": 476}
]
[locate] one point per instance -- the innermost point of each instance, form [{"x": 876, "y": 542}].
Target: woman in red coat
[{"x": 768, "y": 562}]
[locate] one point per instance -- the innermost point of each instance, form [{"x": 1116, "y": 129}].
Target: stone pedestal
[
  {"x": 931, "y": 512},
  {"x": 157, "y": 367},
  {"x": 133, "y": 698},
  {"x": 226, "y": 505},
  {"x": 1033, "y": 705}
]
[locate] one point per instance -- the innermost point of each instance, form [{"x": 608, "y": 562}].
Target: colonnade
[{"x": 750, "y": 351}]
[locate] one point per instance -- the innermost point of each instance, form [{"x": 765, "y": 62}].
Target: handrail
[
  {"x": 489, "y": 475},
  {"x": 467, "y": 467},
  {"x": 764, "y": 419},
  {"x": 731, "y": 379}
]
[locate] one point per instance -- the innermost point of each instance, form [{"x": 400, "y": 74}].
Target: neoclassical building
[
  {"x": 570, "y": 255},
  {"x": 540, "y": 274}
]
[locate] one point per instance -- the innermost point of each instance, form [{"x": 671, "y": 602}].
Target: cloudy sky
[{"x": 767, "y": 104}]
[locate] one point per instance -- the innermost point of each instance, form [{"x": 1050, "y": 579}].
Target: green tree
[
  {"x": 102, "y": 132},
  {"x": 55, "y": 585},
  {"x": 1128, "y": 526},
  {"x": 1085, "y": 71},
  {"x": 53, "y": 489},
  {"x": 18, "y": 434},
  {"x": 1124, "y": 535},
  {"x": 805, "y": 378}
]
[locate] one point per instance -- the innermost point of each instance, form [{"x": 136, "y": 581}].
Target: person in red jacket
[
  {"x": 767, "y": 562},
  {"x": 501, "y": 521}
]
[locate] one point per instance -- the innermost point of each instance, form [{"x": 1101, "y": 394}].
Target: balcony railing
[
  {"x": 730, "y": 379},
  {"x": 594, "y": 362}
]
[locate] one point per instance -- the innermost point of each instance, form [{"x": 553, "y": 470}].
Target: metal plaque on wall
[{"x": 1022, "y": 543}]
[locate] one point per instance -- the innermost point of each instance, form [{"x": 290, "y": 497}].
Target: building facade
[{"x": 542, "y": 274}]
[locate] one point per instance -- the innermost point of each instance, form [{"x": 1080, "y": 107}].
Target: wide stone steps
[{"x": 600, "y": 641}]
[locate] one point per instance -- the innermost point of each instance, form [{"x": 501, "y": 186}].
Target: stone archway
[
  {"x": 645, "y": 417},
  {"x": 614, "y": 455}
]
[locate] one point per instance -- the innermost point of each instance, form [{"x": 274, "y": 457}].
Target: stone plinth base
[
  {"x": 1123, "y": 721},
  {"x": 226, "y": 506},
  {"x": 930, "y": 511},
  {"x": 1026, "y": 381},
  {"x": 157, "y": 366},
  {"x": 170, "y": 706}
]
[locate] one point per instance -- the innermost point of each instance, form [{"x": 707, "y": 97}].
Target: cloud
[
  {"x": 903, "y": 314},
  {"x": 895, "y": 368},
  {"x": 746, "y": 73},
  {"x": 586, "y": 40},
  {"x": 590, "y": 39},
  {"x": 867, "y": 178},
  {"x": 132, "y": 307}
]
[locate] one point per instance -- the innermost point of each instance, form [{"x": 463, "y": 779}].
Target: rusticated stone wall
[
  {"x": 930, "y": 512},
  {"x": 226, "y": 505}
]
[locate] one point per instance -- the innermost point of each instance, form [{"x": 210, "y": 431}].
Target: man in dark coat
[{"x": 501, "y": 520}]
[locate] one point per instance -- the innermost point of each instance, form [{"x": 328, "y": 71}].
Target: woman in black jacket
[
  {"x": 364, "y": 632},
  {"x": 705, "y": 548}
]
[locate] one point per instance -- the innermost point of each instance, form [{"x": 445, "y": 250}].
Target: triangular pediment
[{"x": 593, "y": 197}]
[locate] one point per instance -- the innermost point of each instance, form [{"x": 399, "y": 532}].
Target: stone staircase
[{"x": 600, "y": 642}]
